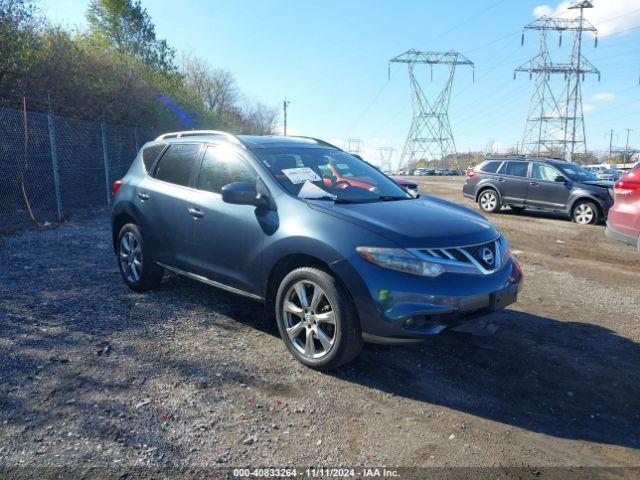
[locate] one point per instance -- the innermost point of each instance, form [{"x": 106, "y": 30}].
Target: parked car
[
  {"x": 624, "y": 217},
  {"x": 412, "y": 187},
  {"x": 539, "y": 184},
  {"x": 335, "y": 265},
  {"x": 603, "y": 172}
]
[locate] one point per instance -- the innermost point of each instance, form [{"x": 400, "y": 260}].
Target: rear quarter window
[
  {"x": 489, "y": 167},
  {"x": 150, "y": 155}
]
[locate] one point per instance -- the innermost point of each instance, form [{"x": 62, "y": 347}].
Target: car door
[
  {"x": 228, "y": 238},
  {"x": 544, "y": 192},
  {"x": 161, "y": 197},
  {"x": 513, "y": 183}
]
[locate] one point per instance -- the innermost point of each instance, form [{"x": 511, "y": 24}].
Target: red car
[
  {"x": 623, "y": 222},
  {"x": 343, "y": 176}
]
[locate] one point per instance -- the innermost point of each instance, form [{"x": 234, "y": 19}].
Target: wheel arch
[
  {"x": 289, "y": 263},
  {"x": 120, "y": 220},
  {"x": 585, "y": 198},
  {"x": 485, "y": 187}
]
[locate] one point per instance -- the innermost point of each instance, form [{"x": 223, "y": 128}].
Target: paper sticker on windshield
[
  {"x": 343, "y": 166},
  {"x": 301, "y": 175}
]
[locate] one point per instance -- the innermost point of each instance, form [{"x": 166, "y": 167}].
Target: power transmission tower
[
  {"x": 352, "y": 145},
  {"x": 385, "y": 158},
  {"x": 556, "y": 119},
  {"x": 430, "y": 136}
]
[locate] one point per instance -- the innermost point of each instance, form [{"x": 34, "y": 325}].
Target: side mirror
[
  {"x": 560, "y": 179},
  {"x": 240, "y": 193}
]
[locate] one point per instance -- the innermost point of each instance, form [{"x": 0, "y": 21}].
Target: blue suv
[{"x": 336, "y": 261}]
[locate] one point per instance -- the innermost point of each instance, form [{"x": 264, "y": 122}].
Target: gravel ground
[{"x": 94, "y": 374}]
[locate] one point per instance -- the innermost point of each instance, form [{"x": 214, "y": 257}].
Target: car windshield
[
  {"x": 577, "y": 173},
  {"x": 328, "y": 174}
]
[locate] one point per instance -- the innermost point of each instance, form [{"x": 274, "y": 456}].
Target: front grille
[{"x": 485, "y": 256}]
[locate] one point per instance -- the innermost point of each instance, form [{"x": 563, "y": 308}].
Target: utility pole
[
  {"x": 430, "y": 136},
  {"x": 611, "y": 134},
  {"x": 285, "y": 104},
  {"x": 556, "y": 118},
  {"x": 626, "y": 148}
]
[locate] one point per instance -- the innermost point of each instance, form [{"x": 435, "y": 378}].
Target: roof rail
[
  {"x": 200, "y": 133},
  {"x": 317, "y": 140}
]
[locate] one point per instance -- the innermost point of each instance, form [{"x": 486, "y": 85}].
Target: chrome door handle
[
  {"x": 195, "y": 213},
  {"x": 143, "y": 196},
  {"x": 534, "y": 184}
]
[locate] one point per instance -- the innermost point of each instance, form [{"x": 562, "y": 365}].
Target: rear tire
[
  {"x": 489, "y": 201},
  {"x": 585, "y": 212},
  {"x": 137, "y": 263},
  {"x": 316, "y": 319}
]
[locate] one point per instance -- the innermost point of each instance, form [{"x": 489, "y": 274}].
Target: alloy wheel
[
  {"x": 131, "y": 257},
  {"x": 583, "y": 214},
  {"x": 309, "y": 319},
  {"x": 488, "y": 201}
]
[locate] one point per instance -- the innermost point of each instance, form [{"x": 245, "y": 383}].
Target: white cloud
[
  {"x": 610, "y": 17},
  {"x": 542, "y": 10},
  {"x": 603, "y": 97},
  {"x": 588, "y": 107}
]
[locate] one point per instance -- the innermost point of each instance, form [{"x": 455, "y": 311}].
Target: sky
[{"x": 329, "y": 58}]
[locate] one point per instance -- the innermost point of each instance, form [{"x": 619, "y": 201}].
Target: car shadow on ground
[
  {"x": 534, "y": 214},
  {"x": 570, "y": 380}
]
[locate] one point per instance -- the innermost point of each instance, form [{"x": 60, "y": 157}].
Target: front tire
[
  {"x": 316, "y": 319},
  {"x": 489, "y": 201},
  {"x": 585, "y": 213},
  {"x": 136, "y": 263}
]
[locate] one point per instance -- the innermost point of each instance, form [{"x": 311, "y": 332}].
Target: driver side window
[{"x": 541, "y": 171}]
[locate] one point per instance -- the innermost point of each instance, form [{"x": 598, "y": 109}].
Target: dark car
[
  {"x": 335, "y": 264},
  {"x": 539, "y": 184}
]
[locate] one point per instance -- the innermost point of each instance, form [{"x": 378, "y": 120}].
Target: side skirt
[{"x": 213, "y": 283}]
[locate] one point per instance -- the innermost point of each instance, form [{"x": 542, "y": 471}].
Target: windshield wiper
[
  {"x": 391, "y": 198},
  {"x": 333, "y": 199}
]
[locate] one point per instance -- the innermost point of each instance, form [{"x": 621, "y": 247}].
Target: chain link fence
[{"x": 51, "y": 166}]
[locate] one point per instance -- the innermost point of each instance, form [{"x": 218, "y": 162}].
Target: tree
[
  {"x": 18, "y": 41},
  {"x": 216, "y": 87},
  {"x": 127, "y": 27},
  {"x": 259, "y": 119}
]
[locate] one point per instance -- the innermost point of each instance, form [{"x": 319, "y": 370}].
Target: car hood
[
  {"x": 600, "y": 183},
  {"x": 426, "y": 222}
]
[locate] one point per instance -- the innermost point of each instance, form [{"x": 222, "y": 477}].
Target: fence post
[
  {"x": 54, "y": 159},
  {"x": 135, "y": 136},
  {"x": 105, "y": 158}
]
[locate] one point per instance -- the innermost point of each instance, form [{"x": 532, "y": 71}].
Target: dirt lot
[{"x": 93, "y": 374}]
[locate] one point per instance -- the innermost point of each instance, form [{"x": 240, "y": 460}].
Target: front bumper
[{"x": 396, "y": 307}]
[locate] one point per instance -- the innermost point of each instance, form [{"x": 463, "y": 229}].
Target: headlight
[{"x": 400, "y": 260}]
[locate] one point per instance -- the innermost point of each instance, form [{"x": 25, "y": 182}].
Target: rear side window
[
  {"x": 150, "y": 155},
  {"x": 221, "y": 167},
  {"x": 490, "y": 167},
  {"x": 517, "y": 169},
  {"x": 177, "y": 163}
]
